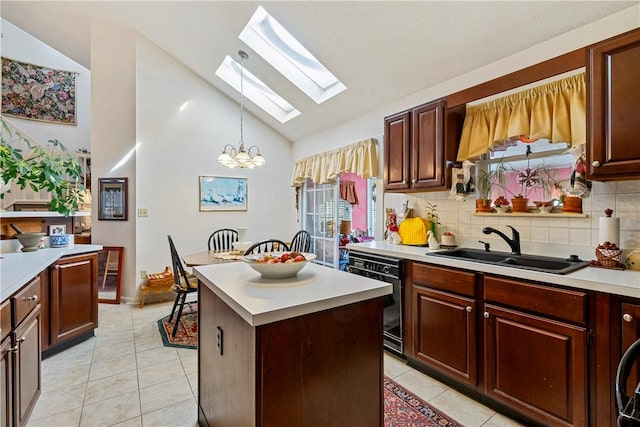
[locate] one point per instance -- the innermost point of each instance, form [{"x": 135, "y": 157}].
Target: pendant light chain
[
  {"x": 240, "y": 157},
  {"x": 243, "y": 56}
]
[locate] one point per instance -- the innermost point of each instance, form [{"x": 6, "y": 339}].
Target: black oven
[{"x": 385, "y": 269}]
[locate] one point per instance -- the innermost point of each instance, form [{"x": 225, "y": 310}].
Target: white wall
[
  {"x": 19, "y": 45},
  {"x": 182, "y": 125},
  {"x": 113, "y": 132},
  {"x": 623, "y": 197}
]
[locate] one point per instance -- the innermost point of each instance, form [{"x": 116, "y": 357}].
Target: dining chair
[
  {"x": 222, "y": 239},
  {"x": 183, "y": 284},
  {"x": 301, "y": 241},
  {"x": 268, "y": 245}
]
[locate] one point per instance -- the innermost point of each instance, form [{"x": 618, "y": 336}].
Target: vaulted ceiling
[{"x": 382, "y": 51}]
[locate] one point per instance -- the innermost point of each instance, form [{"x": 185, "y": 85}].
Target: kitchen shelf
[
  {"x": 38, "y": 214},
  {"x": 534, "y": 214}
]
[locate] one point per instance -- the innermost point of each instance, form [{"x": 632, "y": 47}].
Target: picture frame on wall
[
  {"x": 113, "y": 203},
  {"x": 220, "y": 193}
]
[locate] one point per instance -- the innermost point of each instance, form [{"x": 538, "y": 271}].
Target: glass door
[{"x": 320, "y": 219}]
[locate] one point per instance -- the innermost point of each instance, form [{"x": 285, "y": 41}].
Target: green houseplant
[{"x": 53, "y": 169}]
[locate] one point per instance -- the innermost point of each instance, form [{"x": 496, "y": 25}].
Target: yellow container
[{"x": 413, "y": 232}]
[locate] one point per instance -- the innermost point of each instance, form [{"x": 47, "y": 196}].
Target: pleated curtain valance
[
  {"x": 555, "y": 111},
  {"x": 360, "y": 158}
]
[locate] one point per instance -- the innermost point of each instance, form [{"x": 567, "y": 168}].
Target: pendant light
[{"x": 232, "y": 157}]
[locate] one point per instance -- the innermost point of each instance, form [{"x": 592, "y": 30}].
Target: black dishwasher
[{"x": 385, "y": 269}]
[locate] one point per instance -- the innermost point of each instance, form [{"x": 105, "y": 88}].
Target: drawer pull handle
[
  {"x": 33, "y": 298},
  {"x": 627, "y": 317},
  {"x": 486, "y": 315},
  {"x": 71, "y": 264},
  {"x": 469, "y": 309},
  {"x": 595, "y": 164}
]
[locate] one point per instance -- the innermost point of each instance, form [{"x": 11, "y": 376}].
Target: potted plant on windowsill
[
  {"x": 53, "y": 169},
  {"x": 487, "y": 178}
]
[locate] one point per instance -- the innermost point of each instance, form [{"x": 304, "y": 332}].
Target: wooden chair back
[
  {"x": 269, "y": 245},
  {"x": 222, "y": 239},
  {"x": 301, "y": 241}
]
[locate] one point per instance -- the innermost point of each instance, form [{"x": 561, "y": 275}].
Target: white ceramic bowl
[{"x": 279, "y": 270}]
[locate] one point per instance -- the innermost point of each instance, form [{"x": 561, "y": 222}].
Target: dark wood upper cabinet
[
  {"x": 418, "y": 144},
  {"x": 613, "y": 107},
  {"x": 427, "y": 145},
  {"x": 396, "y": 151}
]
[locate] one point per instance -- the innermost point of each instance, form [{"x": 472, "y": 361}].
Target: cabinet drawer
[
  {"x": 5, "y": 319},
  {"x": 25, "y": 300},
  {"x": 458, "y": 282},
  {"x": 559, "y": 303}
]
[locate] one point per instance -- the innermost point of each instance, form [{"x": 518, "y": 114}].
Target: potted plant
[
  {"x": 487, "y": 178},
  {"x": 53, "y": 169}
]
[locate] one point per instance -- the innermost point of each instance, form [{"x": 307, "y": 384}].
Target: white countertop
[
  {"x": 39, "y": 214},
  {"x": 261, "y": 301},
  {"x": 17, "y": 268},
  {"x": 626, "y": 283}
]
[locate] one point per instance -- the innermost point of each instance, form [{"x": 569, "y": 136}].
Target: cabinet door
[
  {"x": 74, "y": 297},
  {"x": 396, "y": 151},
  {"x": 27, "y": 384},
  {"x": 6, "y": 383},
  {"x": 537, "y": 365},
  {"x": 444, "y": 332},
  {"x": 427, "y": 145},
  {"x": 629, "y": 333},
  {"x": 613, "y": 68}
]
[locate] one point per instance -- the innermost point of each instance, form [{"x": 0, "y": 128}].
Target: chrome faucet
[{"x": 514, "y": 242}]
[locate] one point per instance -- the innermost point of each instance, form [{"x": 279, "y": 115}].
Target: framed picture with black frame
[{"x": 113, "y": 203}]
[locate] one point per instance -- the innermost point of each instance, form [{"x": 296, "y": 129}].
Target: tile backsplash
[{"x": 459, "y": 216}]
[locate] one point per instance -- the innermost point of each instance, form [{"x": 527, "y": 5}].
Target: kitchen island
[{"x": 303, "y": 351}]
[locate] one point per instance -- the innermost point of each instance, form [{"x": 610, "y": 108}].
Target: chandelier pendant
[{"x": 232, "y": 157}]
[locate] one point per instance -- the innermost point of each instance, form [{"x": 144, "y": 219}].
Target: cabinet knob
[
  {"x": 469, "y": 309},
  {"x": 413, "y": 181},
  {"x": 627, "y": 317},
  {"x": 595, "y": 164},
  {"x": 13, "y": 349},
  {"x": 21, "y": 340},
  {"x": 486, "y": 315},
  {"x": 33, "y": 298}
]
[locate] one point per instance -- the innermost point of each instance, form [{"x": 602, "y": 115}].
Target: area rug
[
  {"x": 187, "y": 333},
  {"x": 404, "y": 409}
]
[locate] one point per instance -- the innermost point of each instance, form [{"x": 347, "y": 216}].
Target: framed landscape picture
[{"x": 219, "y": 193}]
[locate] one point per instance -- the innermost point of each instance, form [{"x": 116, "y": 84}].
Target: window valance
[
  {"x": 555, "y": 111},
  {"x": 360, "y": 158}
]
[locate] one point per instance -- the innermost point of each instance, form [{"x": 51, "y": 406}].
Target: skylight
[
  {"x": 258, "y": 92},
  {"x": 277, "y": 46}
]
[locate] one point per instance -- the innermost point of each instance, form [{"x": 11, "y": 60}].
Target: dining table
[{"x": 211, "y": 257}]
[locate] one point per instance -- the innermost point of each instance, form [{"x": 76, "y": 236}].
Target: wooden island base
[{"x": 319, "y": 369}]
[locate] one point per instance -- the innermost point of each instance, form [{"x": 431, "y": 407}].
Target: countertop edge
[
  {"x": 622, "y": 283},
  {"x": 12, "y": 281},
  {"x": 274, "y": 315}
]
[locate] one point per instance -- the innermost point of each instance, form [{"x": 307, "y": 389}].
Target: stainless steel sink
[{"x": 528, "y": 262}]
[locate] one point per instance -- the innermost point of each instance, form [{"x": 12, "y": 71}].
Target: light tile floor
[{"x": 126, "y": 377}]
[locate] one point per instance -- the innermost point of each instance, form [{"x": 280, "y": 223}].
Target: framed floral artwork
[{"x": 37, "y": 92}]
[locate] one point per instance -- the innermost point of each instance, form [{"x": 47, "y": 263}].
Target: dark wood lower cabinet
[
  {"x": 6, "y": 383},
  {"x": 319, "y": 369},
  {"x": 74, "y": 297},
  {"x": 537, "y": 365},
  {"x": 26, "y": 379},
  {"x": 445, "y": 332}
]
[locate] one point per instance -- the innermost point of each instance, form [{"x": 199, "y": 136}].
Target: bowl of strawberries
[{"x": 279, "y": 265}]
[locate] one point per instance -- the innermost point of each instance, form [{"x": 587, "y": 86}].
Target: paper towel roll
[{"x": 609, "y": 230}]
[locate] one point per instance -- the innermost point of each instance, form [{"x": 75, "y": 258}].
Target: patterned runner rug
[
  {"x": 187, "y": 333},
  {"x": 403, "y": 409}
]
